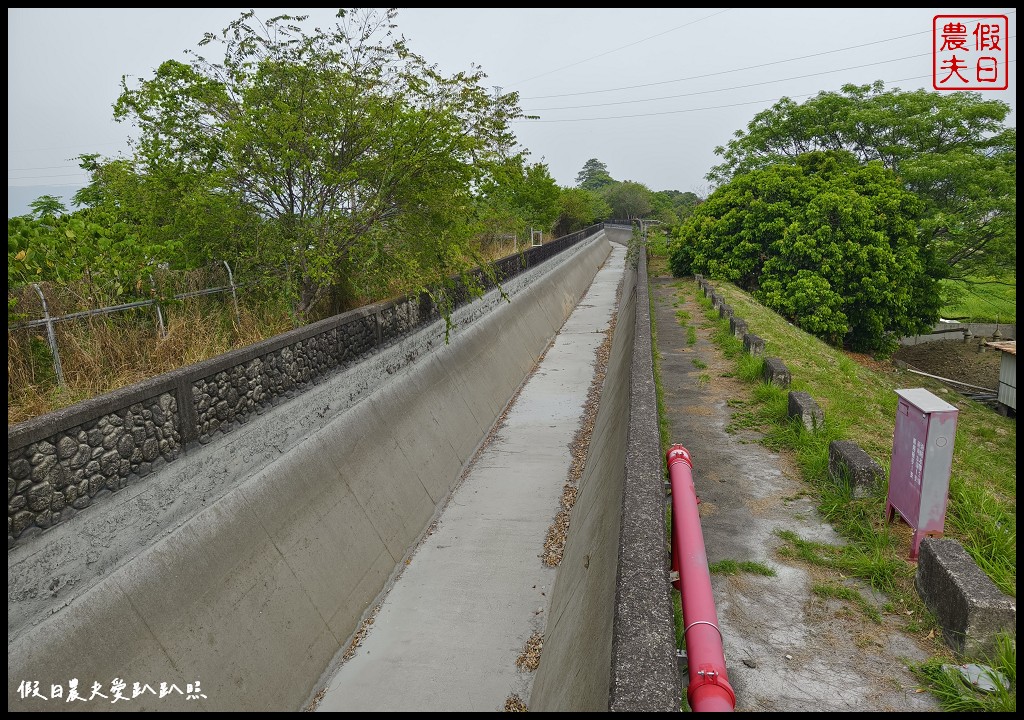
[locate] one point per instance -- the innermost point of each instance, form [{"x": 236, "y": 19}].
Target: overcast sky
[{"x": 649, "y": 92}]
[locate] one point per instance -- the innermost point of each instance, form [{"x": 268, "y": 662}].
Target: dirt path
[{"x": 786, "y": 648}]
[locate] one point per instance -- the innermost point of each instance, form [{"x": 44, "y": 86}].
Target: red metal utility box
[{"x": 922, "y": 456}]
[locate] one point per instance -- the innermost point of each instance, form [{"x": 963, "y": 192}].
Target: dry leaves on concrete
[
  {"x": 558, "y": 532},
  {"x": 514, "y": 703},
  {"x": 529, "y": 658}
]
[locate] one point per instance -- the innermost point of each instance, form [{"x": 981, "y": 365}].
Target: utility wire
[
  {"x": 609, "y": 52},
  {"x": 712, "y": 107},
  {"x": 44, "y": 177},
  {"x": 48, "y": 167},
  {"x": 734, "y": 87},
  {"x": 726, "y": 72}
]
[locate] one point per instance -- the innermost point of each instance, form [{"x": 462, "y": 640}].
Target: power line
[
  {"x": 713, "y": 107},
  {"x": 726, "y": 72},
  {"x": 735, "y": 87},
  {"x": 723, "y": 72},
  {"x": 70, "y": 185},
  {"x": 44, "y": 177},
  {"x": 609, "y": 52},
  {"x": 48, "y": 167}
]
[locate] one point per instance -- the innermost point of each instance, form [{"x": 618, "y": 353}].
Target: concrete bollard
[
  {"x": 969, "y": 607},
  {"x": 738, "y": 327},
  {"x": 847, "y": 457},
  {"x": 803, "y": 406},
  {"x": 753, "y": 344},
  {"x": 776, "y": 373}
]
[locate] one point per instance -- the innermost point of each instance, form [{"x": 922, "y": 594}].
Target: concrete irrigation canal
[
  {"x": 377, "y": 512},
  {"x": 353, "y": 516}
]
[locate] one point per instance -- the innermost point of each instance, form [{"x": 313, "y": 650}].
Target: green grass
[
  {"x": 835, "y": 591},
  {"x": 677, "y": 606},
  {"x": 699, "y": 364},
  {"x": 859, "y": 404},
  {"x": 659, "y": 389},
  {"x": 956, "y": 695},
  {"x": 691, "y": 335},
  {"x": 735, "y": 567},
  {"x": 991, "y": 300}
]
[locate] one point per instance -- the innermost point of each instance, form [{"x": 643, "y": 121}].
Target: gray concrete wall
[
  {"x": 252, "y": 578},
  {"x": 954, "y": 331},
  {"x": 609, "y": 643}
]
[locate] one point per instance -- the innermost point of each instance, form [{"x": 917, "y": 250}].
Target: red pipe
[{"x": 709, "y": 689}]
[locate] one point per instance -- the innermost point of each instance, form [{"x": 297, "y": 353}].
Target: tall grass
[
  {"x": 955, "y": 694},
  {"x": 104, "y": 353},
  {"x": 109, "y": 352}
]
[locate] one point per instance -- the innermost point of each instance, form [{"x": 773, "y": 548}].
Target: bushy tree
[
  {"x": 952, "y": 149},
  {"x": 349, "y": 158},
  {"x": 629, "y": 199},
  {"x": 579, "y": 209},
  {"x": 671, "y": 207},
  {"x": 594, "y": 175},
  {"x": 88, "y": 246},
  {"x": 524, "y": 194},
  {"x": 827, "y": 242}
]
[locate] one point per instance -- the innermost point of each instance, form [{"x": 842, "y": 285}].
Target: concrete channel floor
[
  {"x": 447, "y": 634},
  {"x": 786, "y": 649}
]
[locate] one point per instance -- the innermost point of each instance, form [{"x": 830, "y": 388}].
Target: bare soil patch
[{"x": 968, "y": 362}]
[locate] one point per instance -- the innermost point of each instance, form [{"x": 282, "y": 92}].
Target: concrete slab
[{"x": 446, "y": 636}]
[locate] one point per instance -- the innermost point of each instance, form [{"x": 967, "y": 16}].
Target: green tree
[
  {"x": 629, "y": 200},
  {"x": 827, "y": 242},
  {"x": 47, "y": 206},
  {"x": 354, "y": 158},
  {"x": 594, "y": 175},
  {"x": 524, "y": 193},
  {"x": 672, "y": 206},
  {"x": 179, "y": 211},
  {"x": 950, "y": 148},
  {"x": 579, "y": 209},
  {"x": 87, "y": 245}
]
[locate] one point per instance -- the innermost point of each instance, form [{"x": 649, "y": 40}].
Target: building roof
[{"x": 1007, "y": 346}]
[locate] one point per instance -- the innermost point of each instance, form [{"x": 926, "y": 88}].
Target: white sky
[{"x": 649, "y": 92}]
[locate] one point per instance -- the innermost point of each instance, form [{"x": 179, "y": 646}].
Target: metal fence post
[
  {"x": 51, "y": 336},
  {"x": 159, "y": 311},
  {"x": 234, "y": 297}
]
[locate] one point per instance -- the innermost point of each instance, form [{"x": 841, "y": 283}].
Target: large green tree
[
  {"x": 629, "y": 199},
  {"x": 950, "y": 148},
  {"x": 522, "y": 193},
  {"x": 579, "y": 209},
  {"x": 827, "y": 242},
  {"x": 673, "y": 206},
  {"x": 594, "y": 175},
  {"x": 356, "y": 159}
]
